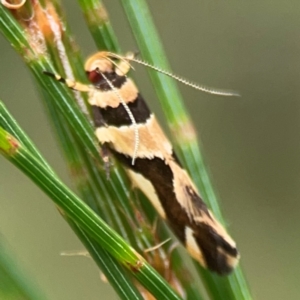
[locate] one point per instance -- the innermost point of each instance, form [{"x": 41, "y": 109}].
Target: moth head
[
  {"x": 97, "y": 64},
  {"x": 107, "y": 63}
]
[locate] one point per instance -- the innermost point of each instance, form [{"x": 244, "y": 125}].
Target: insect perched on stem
[{"x": 127, "y": 128}]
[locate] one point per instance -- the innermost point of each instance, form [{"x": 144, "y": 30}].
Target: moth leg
[{"x": 74, "y": 85}]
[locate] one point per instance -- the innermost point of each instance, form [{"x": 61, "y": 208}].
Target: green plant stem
[
  {"x": 14, "y": 284},
  {"x": 112, "y": 270},
  {"x": 98, "y": 22},
  {"x": 117, "y": 277},
  {"x": 77, "y": 210}
]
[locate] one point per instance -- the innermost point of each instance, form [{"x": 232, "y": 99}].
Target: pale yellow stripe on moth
[
  {"x": 147, "y": 188},
  {"x": 232, "y": 261},
  {"x": 182, "y": 183},
  {"x": 152, "y": 141},
  {"x": 218, "y": 228},
  {"x": 192, "y": 247},
  {"x": 128, "y": 93}
]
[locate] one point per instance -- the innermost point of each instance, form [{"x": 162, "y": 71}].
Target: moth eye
[{"x": 94, "y": 76}]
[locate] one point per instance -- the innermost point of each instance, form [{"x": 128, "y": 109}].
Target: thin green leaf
[
  {"x": 98, "y": 22},
  {"x": 14, "y": 283},
  {"x": 112, "y": 270},
  {"x": 73, "y": 207},
  {"x": 114, "y": 274}
]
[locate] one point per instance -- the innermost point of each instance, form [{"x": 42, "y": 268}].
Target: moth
[{"x": 125, "y": 125}]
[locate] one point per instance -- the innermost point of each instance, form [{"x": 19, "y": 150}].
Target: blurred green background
[{"x": 251, "y": 144}]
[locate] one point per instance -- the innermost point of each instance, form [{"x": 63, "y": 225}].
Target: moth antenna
[
  {"x": 111, "y": 61},
  {"x": 184, "y": 81},
  {"x": 117, "y": 66},
  {"x": 120, "y": 57},
  {"x": 136, "y": 130},
  {"x": 11, "y": 5}
]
